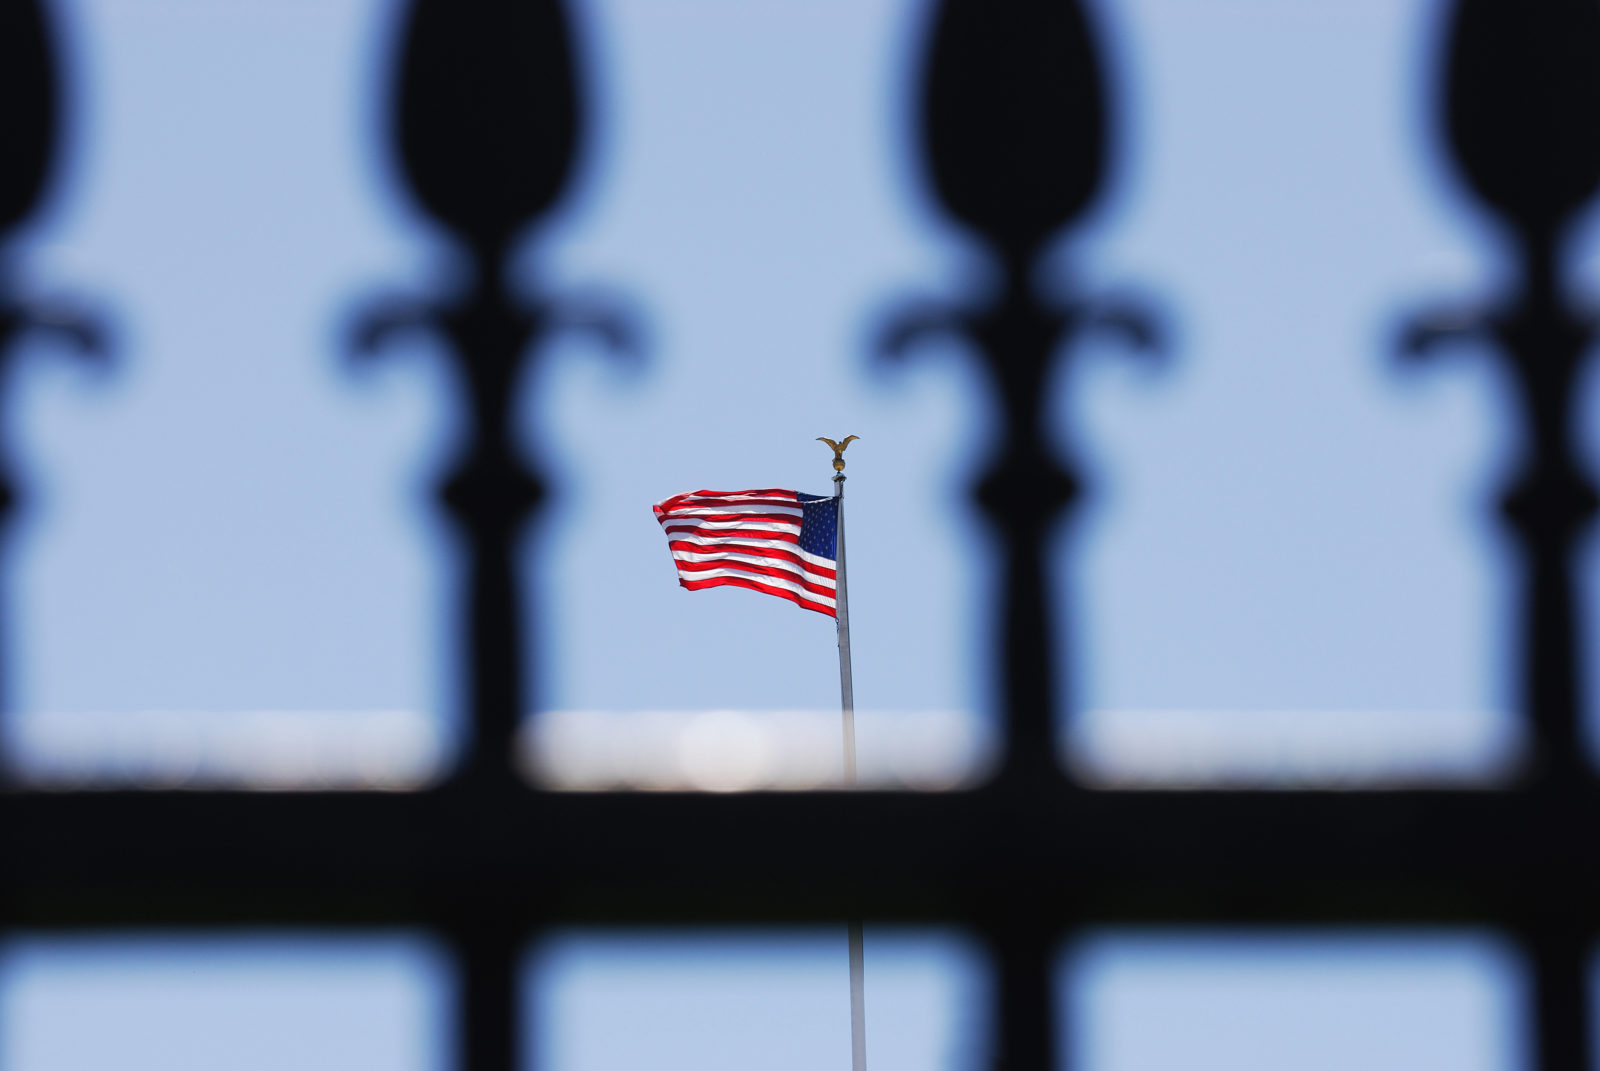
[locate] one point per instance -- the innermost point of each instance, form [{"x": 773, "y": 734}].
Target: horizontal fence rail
[{"x": 137, "y": 858}]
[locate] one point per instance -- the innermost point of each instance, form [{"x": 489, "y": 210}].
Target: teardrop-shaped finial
[
  {"x": 488, "y": 113},
  {"x": 1523, "y": 106},
  {"x": 28, "y": 109},
  {"x": 1013, "y": 118}
]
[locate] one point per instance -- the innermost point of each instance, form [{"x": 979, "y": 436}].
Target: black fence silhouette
[{"x": 1015, "y": 120}]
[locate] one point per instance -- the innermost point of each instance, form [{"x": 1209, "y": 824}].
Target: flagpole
[
  {"x": 842, "y": 620},
  {"x": 858, "y": 1000}
]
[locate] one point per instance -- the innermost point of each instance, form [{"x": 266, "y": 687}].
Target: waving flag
[
  {"x": 790, "y": 545},
  {"x": 778, "y": 542}
]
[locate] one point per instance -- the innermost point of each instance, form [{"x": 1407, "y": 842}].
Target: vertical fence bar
[
  {"x": 1560, "y": 998},
  {"x": 487, "y": 961},
  {"x": 1027, "y": 1035},
  {"x": 490, "y": 496},
  {"x": 1549, "y": 507},
  {"x": 1519, "y": 104},
  {"x": 1519, "y": 108},
  {"x": 30, "y": 134},
  {"x": 1014, "y": 126},
  {"x": 486, "y": 126}
]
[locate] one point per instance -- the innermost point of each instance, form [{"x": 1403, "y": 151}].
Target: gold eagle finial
[{"x": 838, "y": 449}]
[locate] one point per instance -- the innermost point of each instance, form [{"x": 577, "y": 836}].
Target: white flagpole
[{"x": 858, "y": 999}]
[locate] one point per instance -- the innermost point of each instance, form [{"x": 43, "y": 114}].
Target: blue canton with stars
[{"x": 818, "y": 525}]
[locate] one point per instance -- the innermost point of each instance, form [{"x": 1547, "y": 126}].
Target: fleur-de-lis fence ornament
[
  {"x": 1521, "y": 115},
  {"x": 487, "y": 126},
  {"x": 1014, "y": 128},
  {"x": 487, "y": 123},
  {"x": 30, "y": 106}
]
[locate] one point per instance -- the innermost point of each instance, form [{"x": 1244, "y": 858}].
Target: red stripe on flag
[
  {"x": 722, "y": 537},
  {"x": 666, "y": 505},
  {"x": 761, "y": 570},
  {"x": 754, "y": 552},
  {"x": 756, "y": 585},
  {"x": 735, "y": 532},
  {"x": 736, "y": 518}
]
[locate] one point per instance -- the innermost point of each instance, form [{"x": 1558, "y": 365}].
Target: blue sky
[{"x": 1282, "y": 525}]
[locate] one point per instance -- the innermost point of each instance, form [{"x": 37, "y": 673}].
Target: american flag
[{"x": 778, "y": 542}]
